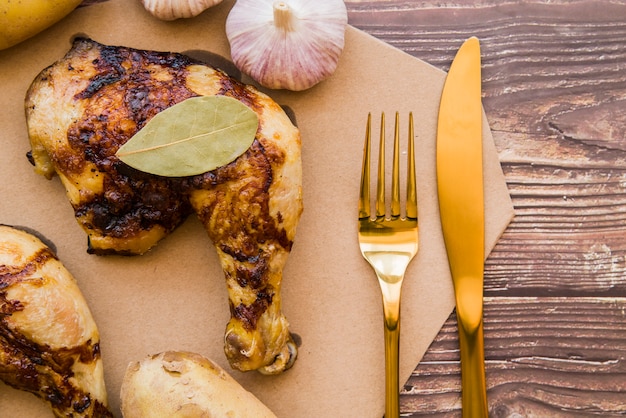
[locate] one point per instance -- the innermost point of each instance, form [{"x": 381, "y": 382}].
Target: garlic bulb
[
  {"x": 175, "y": 9},
  {"x": 287, "y": 44}
]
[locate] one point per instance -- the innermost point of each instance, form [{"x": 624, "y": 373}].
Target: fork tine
[
  {"x": 411, "y": 188},
  {"x": 364, "y": 195},
  {"x": 380, "y": 187},
  {"x": 395, "y": 171}
]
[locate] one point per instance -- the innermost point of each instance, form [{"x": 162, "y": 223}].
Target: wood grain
[
  {"x": 545, "y": 357},
  {"x": 554, "y": 91}
]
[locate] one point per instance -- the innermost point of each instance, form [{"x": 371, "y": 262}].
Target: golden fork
[{"x": 389, "y": 241}]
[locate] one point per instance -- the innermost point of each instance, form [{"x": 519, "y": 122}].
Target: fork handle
[
  {"x": 392, "y": 364},
  {"x": 391, "y": 308},
  {"x": 474, "y": 393}
]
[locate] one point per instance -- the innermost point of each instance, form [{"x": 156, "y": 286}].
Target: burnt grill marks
[
  {"x": 8, "y": 306},
  {"x": 249, "y": 315},
  {"x": 112, "y": 63},
  {"x": 134, "y": 203},
  {"x": 253, "y": 276},
  {"x": 98, "y": 83},
  {"x": 12, "y": 274}
]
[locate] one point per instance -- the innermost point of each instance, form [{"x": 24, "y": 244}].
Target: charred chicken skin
[
  {"x": 81, "y": 109},
  {"x": 49, "y": 342}
]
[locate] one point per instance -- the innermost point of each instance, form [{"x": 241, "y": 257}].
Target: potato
[{"x": 176, "y": 384}]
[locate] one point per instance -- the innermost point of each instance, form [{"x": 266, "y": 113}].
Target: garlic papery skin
[
  {"x": 176, "y": 9},
  {"x": 287, "y": 44}
]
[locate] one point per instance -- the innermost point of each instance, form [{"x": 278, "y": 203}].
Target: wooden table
[{"x": 554, "y": 90}]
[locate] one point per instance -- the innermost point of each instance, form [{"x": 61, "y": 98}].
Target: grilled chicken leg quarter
[{"x": 84, "y": 107}]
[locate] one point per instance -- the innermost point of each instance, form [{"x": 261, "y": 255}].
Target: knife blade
[{"x": 461, "y": 205}]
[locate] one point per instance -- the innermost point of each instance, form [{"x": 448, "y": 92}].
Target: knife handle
[{"x": 473, "y": 384}]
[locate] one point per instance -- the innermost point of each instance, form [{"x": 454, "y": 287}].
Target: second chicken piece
[{"x": 49, "y": 341}]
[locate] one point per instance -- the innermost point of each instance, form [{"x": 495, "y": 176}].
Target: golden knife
[{"x": 461, "y": 205}]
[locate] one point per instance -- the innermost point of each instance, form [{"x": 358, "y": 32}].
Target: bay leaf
[{"x": 192, "y": 137}]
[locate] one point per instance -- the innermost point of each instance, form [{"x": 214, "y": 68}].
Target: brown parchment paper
[{"x": 174, "y": 296}]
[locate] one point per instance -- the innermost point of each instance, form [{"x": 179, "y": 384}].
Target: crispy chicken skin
[
  {"x": 84, "y": 107},
  {"x": 49, "y": 342}
]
